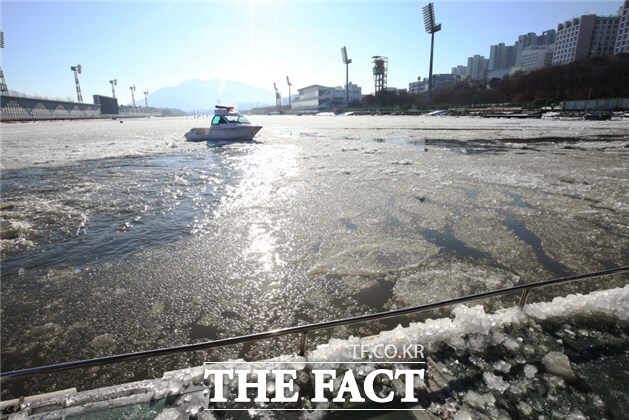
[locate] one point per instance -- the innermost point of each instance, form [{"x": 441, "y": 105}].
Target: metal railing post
[
  {"x": 302, "y": 343},
  {"x": 525, "y": 295}
]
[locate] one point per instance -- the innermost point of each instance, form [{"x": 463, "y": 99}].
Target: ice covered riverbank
[{"x": 542, "y": 361}]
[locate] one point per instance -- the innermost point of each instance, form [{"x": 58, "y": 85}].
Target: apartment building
[{"x": 622, "y": 40}]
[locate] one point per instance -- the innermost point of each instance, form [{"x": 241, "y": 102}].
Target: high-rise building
[
  {"x": 523, "y": 42},
  {"x": 547, "y": 38},
  {"x": 604, "y": 35},
  {"x": 573, "y": 39},
  {"x": 622, "y": 40},
  {"x": 477, "y": 67},
  {"x": 459, "y": 71},
  {"x": 501, "y": 56},
  {"x": 585, "y": 37},
  {"x": 536, "y": 57},
  {"x": 577, "y": 39}
]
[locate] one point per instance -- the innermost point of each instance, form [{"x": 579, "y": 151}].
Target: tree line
[{"x": 598, "y": 77}]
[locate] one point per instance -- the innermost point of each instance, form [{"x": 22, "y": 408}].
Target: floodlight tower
[
  {"x": 3, "y": 85},
  {"x": 347, "y": 62},
  {"x": 146, "y": 98},
  {"x": 431, "y": 27},
  {"x": 278, "y": 98},
  {"x": 380, "y": 65},
  {"x": 113, "y": 83},
  {"x": 290, "y": 106},
  {"x": 132, "y": 95},
  {"x": 77, "y": 70}
]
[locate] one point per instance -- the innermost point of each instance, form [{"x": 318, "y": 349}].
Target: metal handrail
[{"x": 304, "y": 329}]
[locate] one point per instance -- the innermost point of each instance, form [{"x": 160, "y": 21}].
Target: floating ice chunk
[
  {"x": 498, "y": 337},
  {"x": 525, "y": 409},
  {"x": 495, "y": 382},
  {"x": 577, "y": 415},
  {"x": 530, "y": 371},
  {"x": 479, "y": 361},
  {"x": 168, "y": 414},
  {"x": 519, "y": 388},
  {"x": 472, "y": 320},
  {"x": 457, "y": 342},
  {"x": 502, "y": 366},
  {"x": 477, "y": 343},
  {"x": 558, "y": 364},
  {"x": 480, "y": 402},
  {"x": 463, "y": 415},
  {"x": 511, "y": 344},
  {"x": 611, "y": 302}
]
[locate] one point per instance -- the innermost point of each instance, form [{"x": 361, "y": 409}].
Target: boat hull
[{"x": 237, "y": 133}]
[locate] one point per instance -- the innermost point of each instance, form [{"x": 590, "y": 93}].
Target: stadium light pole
[
  {"x": 346, "y": 61},
  {"x": 4, "y": 90},
  {"x": 278, "y": 99},
  {"x": 290, "y": 105},
  {"x": 113, "y": 91},
  {"x": 431, "y": 27},
  {"x": 132, "y": 95}
]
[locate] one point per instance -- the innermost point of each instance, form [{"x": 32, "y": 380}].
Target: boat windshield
[
  {"x": 237, "y": 118},
  {"x": 218, "y": 120}
]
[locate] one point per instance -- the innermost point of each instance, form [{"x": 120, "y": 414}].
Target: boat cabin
[{"x": 227, "y": 115}]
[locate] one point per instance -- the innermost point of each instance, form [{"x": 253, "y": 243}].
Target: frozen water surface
[{"x": 119, "y": 237}]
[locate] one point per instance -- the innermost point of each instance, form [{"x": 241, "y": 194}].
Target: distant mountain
[{"x": 198, "y": 95}]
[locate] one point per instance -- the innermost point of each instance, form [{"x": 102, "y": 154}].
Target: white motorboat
[{"x": 226, "y": 124}]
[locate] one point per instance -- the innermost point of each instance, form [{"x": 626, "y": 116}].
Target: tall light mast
[
  {"x": 347, "y": 62},
  {"x": 290, "y": 105},
  {"x": 431, "y": 27},
  {"x": 3, "y": 85},
  {"x": 278, "y": 98},
  {"x": 77, "y": 70},
  {"x": 132, "y": 95},
  {"x": 113, "y": 83},
  {"x": 146, "y": 98}
]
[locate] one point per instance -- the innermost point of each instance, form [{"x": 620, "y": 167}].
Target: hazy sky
[{"x": 154, "y": 44}]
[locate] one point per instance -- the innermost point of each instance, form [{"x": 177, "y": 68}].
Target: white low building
[
  {"x": 537, "y": 57},
  {"x": 320, "y": 98}
]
